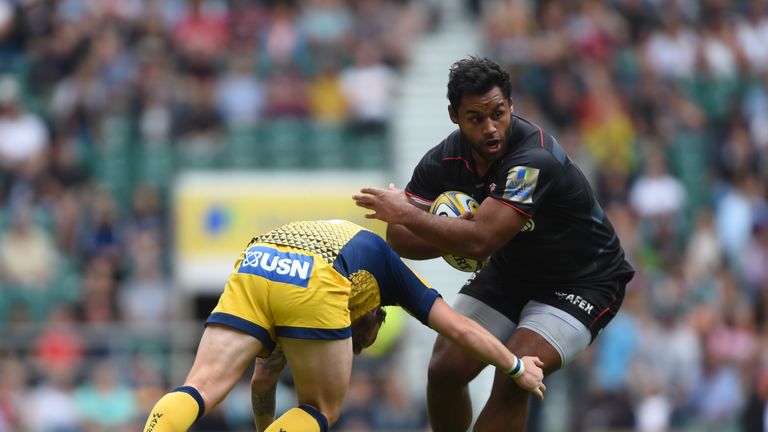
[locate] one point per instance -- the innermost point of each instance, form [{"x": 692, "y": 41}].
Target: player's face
[{"x": 484, "y": 121}]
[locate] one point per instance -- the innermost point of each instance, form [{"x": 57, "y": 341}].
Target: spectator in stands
[
  {"x": 362, "y": 397},
  {"x": 733, "y": 218},
  {"x": 240, "y": 94},
  {"x": 755, "y": 105},
  {"x": 59, "y": 348},
  {"x": 370, "y": 87},
  {"x": 199, "y": 37},
  {"x": 720, "y": 49},
  {"x": 606, "y": 128},
  {"x": 282, "y": 40},
  {"x": 50, "y": 404},
  {"x": 104, "y": 401},
  {"x": 327, "y": 101},
  {"x": 98, "y": 305},
  {"x": 703, "y": 252},
  {"x": 658, "y": 198},
  {"x": 286, "y": 96},
  {"x": 755, "y": 257},
  {"x": 327, "y": 25},
  {"x": 28, "y": 256},
  {"x": 23, "y": 135},
  {"x": 718, "y": 396},
  {"x": 78, "y": 102},
  {"x": 391, "y": 26},
  {"x": 737, "y": 154},
  {"x": 14, "y": 378},
  {"x": 397, "y": 410},
  {"x": 751, "y": 33},
  {"x": 147, "y": 379},
  {"x": 11, "y": 34},
  {"x": 144, "y": 298},
  {"x": 198, "y": 124},
  {"x": 154, "y": 102}
]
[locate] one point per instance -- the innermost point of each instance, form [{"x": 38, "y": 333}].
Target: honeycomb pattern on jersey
[
  {"x": 323, "y": 238},
  {"x": 365, "y": 294}
]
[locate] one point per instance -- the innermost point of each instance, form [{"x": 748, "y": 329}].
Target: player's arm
[
  {"x": 266, "y": 373},
  {"x": 474, "y": 338},
  {"x": 408, "y": 244},
  {"x": 494, "y": 224}
]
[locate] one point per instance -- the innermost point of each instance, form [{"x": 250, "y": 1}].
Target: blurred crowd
[
  {"x": 101, "y": 102},
  {"x": 663, "y": 104}
]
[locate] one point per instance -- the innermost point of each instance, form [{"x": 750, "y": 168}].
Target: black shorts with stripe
[{"x": 593, "y": 303}]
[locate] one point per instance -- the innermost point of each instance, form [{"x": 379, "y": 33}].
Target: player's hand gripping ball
[{"x": 454, "y": 204}]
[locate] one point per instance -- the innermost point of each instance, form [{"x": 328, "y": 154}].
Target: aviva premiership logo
[
  {"x": 521, "y": 182},
  {"x": 286, "y": 267}
]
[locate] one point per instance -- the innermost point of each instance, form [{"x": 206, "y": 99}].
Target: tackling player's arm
[
  {"x": 494, "y": 224},
  {"x": 478, "y": 341},
  {"x": 266, "y": 373}
]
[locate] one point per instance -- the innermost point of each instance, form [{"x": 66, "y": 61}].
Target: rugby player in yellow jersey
[{"x": 315, "y": 289}]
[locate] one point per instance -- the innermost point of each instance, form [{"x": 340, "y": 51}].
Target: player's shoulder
[
  {"x": 449, "y": 147},
  {"x": 527, "y": 132},
  {"x": 535, "y": 144}
]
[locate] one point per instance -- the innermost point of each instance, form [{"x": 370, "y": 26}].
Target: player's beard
[{"x": 490, "y": 149}]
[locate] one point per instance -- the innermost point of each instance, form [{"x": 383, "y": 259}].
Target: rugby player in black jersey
[{"x": 557, "y": 272}]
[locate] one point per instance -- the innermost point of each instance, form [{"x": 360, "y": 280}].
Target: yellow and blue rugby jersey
[{"x": 377, "y": 274}]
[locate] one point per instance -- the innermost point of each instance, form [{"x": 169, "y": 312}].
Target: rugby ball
[{"x": 454, "y": 204}]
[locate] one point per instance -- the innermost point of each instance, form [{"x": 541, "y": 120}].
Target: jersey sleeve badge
[{"x": 521, "y": 182}]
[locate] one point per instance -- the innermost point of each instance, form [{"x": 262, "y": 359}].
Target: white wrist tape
[{"x": 518, "y": 370}]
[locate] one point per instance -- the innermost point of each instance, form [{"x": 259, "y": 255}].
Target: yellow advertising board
[{"x": 216, "y": 214}]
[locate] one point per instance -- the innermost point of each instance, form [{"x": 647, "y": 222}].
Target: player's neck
[{"x": 482, "y": 165}]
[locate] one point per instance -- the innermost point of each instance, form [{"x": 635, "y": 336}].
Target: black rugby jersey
[{"x": 568, "y": 236}]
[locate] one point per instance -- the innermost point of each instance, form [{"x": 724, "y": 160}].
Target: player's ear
[
  {"x": 511, "y": 106},
  {"x": 453, "y": 115}
]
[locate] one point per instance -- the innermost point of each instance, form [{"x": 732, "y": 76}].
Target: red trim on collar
[{"x": 541, "y": 134}]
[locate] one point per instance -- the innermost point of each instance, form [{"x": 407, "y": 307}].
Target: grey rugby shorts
[{"x": 564, "y": 332}]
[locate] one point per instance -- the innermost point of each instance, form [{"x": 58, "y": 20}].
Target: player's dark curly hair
[
  {"x": 362, "y": 327},
  {"x": 476, "y": 76}
]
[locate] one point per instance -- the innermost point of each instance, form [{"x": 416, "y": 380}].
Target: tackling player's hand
[{"x": 531, "y": 379}]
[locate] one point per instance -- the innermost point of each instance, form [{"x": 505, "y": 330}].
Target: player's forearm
[
  {"x": 483, "y": 345},
  {"x": 263, "y": 405},
  {"x": 409, "y": 245},
  {"x": 455, "y": 236}
]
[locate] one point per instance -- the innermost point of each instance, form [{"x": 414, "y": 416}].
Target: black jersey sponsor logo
[
  {"x": 577, "y": 300},
  {"x": 529, "y": 226},
  {"x": 471, "y": 278},
  {"x": 521, "y": 182}
]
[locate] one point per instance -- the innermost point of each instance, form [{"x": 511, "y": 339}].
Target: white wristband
[{"x": 518, "y": 370}]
